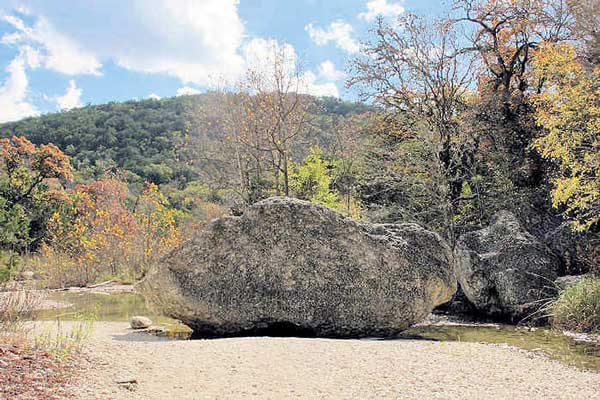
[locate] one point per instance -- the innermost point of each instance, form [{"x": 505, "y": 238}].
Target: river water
[{"x": 120, "y": 307}]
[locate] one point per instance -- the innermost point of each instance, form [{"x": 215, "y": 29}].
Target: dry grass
[
  {"x": 33, "y": 365},
  {"x": 17, "y": 305},
  {"x": 63, "y": 343}
]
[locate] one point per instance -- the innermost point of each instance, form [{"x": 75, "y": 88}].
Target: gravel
[{"x": 282, "y": 368}]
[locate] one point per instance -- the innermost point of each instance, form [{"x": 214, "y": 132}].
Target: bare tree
[
  {"x": 504, "y": 33},
  {"x": 263, "y": 116},
  {"x": 418, "y": 72},
  {"x": 278, "y": 111}
]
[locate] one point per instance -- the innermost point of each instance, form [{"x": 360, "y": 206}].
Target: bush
[{"x": 578, "y": 307}]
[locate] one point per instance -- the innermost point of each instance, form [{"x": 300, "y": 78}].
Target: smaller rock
[
  {"x": 140, "y": 322},
  {"x": 503, "y": 269}
]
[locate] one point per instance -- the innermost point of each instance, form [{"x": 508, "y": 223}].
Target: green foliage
[
  {"x": 15, "y": 222},
  {"x": 578, "y": 307},
  {"x": 139, "y": 136},
  {"x": 9, "y": 262},
  {"x": 312, "y": 180},
  {"x": 26, "y": 201},
  {"x": 158, "y": 141}
]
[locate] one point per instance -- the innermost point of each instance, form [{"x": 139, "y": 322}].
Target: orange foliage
[
  {"x": 47, "y": 159},
  {"x": 106, "y": 234}
]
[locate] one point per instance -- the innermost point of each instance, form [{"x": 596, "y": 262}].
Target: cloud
[
  {"x": 187, "y": 91},
  {"x": 202, "y": 43},
  {"x": 154, "y": 96},
  {"x": 309, "y": 85},
  {"x": 339, "y": 32},
  {"x": 328, "y": 71},
  {"x": 195, "y": 41},
  {"x": 56, "y": 51},
  {"x": 71, "y": 98},
  {"x": 13, "y": 92},
  {"x": 376, "y": 8},
  {"x": 261, "y": 55}
]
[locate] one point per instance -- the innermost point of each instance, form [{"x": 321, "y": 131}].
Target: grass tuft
[{"x": 578, "y": 307}]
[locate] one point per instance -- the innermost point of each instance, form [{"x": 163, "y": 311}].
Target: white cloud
[
  {"x": 309, "y": 85},
  {"x": 13, "y": 92},
  {"x": 153, "y": 96},
  {"x": 262, "y": 55},
  {"x": 186, "y": 91},
  {"x": 339, "y": 32},
  {"x": 376, "y": 8},
  {"x": 194, "y": 41},
  {"x": 71, "y": 98},
  {"x": 202, "y": 43},
  {"x": 328, "y": 71},
  {"x": 56, "y": 51}
]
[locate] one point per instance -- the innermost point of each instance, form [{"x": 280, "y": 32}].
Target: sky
[{"x": 60, "y": 54}]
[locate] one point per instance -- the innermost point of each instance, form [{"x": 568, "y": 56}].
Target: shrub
[{"x": 578, "y": 307}]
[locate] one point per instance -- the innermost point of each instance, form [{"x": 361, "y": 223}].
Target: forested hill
[{"x": 148, "y": 139}]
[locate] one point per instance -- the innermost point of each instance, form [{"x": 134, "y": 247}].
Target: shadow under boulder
[{"x": 291, "y": 267}]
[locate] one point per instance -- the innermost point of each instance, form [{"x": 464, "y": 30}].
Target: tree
[
  {"x": 106, "y": 233},
  {"x": 587, "y": 27},
  {"x": 347, "y": 146},
  {"x": 312, "y": 180},
  {"x": 416, "y": 71},
  {"x": 158, "y": 230},
  {"x": 276, "y": 113},
  {"x": 27, "y": 173},
  {"x": 569, "y": 111},
  {"x": 402, "y": 179},
  {"x": 504, "y": 35}
]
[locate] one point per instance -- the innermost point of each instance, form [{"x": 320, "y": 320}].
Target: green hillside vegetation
[{"x": 149, "y": 139}]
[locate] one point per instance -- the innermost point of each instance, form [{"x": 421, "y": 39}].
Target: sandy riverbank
[{"x": 281, "y": 368}]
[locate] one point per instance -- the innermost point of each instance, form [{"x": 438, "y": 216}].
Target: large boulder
[
  {"x": 291, "y": 267},
  {"x": 503, "y": 270}
]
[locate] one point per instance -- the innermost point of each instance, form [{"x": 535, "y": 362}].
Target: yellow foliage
[
  {"x": 102, "y": 237},
  {"x": 569, "y": 110}
]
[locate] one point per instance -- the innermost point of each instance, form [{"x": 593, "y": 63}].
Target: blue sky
[{"x": 60, "y": 54}]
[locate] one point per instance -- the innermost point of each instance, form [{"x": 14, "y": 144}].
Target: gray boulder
[
  {"x": 503, "y": 270},
  {"x": 291, "y": 267}
]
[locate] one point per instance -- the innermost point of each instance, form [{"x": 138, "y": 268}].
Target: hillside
[{"x": 152, "y": 140}]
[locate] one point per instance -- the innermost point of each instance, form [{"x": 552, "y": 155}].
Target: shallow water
[
  {"x": 114, "y": 307},
  {"x": 121, "y": 307},
  {"x": 552, "y": 343}
]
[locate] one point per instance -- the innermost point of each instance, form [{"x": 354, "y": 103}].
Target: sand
[{"x": 296, "y": 368}]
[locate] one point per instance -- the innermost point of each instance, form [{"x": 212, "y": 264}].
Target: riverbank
[{"x": 128, "y": 365}]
